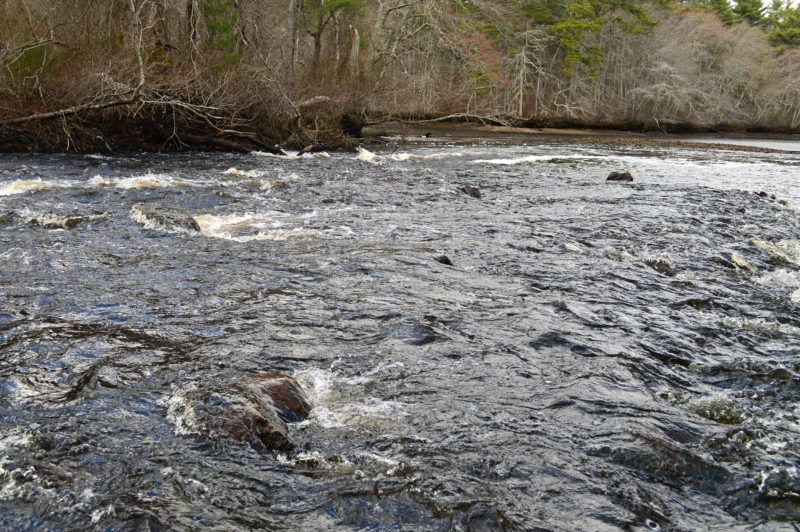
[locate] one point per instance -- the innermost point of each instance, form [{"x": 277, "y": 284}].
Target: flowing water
[{"x": 598, "y": 356}]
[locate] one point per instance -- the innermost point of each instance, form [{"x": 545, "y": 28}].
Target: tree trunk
[
  {"x": 191, "y": 27},
  {"x": 293, "y": 44},
  {"x": 317, "y": 53}
]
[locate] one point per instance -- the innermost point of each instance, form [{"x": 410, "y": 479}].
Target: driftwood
[
  {"x": 74, "y": 110},
  {"x": 483, "y": 119}
]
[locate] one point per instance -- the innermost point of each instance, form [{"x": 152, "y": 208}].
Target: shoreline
[
  {"x": 427, "y": 133},
  {"x": 149, "y": 134}
]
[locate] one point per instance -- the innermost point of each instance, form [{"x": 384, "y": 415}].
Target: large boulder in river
[
  {"x": 620, "y": 176},
  {"x": 164, "y": 219},
  {"x": 288, "y": 398},
  {"x": 255, "y": 410}
]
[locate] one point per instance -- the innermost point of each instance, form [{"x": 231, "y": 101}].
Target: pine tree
[
  {"x": 584, "y": 17},
  {"x": 787, "y": 28},
  {"x": 222, "y": 24},
  {"x": 751, "y": 11},
  {"x": 723, "y": 10}
]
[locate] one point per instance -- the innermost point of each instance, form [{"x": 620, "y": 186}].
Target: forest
[{"x": 250, "y": 74}]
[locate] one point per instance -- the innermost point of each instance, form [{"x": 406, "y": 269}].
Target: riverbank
[
  {"x": 425, "y": 132},
  {"x": 159, "y": 131}
]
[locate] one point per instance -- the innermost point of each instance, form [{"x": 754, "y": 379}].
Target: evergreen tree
[
  {"x": 787, "y": 28},
  {"x": 751, "y": 11},
  {"x": 723, "y": 10},
  {"x": 775, "y": 13},
  {"x": 222, "y": 20},
  {"x": 584, "y": 17}
]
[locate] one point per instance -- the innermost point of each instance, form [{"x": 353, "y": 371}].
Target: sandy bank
[{"x": 470, "y": 132}]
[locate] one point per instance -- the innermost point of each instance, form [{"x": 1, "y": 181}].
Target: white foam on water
[
  {"x": 391, "y": 465},
  {"x": 14, "y": 440},
  {"x": 533, "y": 159},
  {"x": 619, "y": 255},
  {"x": 98, "y": 514},
  {"x": 718, "y": 406},
  {"x": 24, "y": 392},
  {"x": 46, "y": 219},
  {"x": 569, "y": 246},
  {"x": 148, "y": 180},
  {"x": 250, "y": 227},
  {"x": 180, "y": 411},
  {"x": 137, "y": 215},
  {"x": 278, "y": 234},
  {"x": 282, "y": 179},
  {"x": 244, "y": 173},
  {"x": 366, "y": 155},
  {"x": 782, "y": 278},
  {"x": 264, "y": 226},
  {"x": 316, "y": 460},
  {"x": 30, "y": 185},
  {"x": 742, "y": 262},
  {"x": 788, "y": 250},
  {"x": 288, "y": 157},
  {"x": 231, "y": 222},
  {"x": 332, "y": 408},
  {"x": 444, "y": 155},
  {"x": 759, "y": 324},
  {"x": 790, "y": 472},
  {"x": 100, "y": 181}
]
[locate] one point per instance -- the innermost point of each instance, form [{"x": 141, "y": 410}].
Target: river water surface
[{"x": 598, "y": 356}]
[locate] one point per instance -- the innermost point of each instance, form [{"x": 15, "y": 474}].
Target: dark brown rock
[
  {"x": 255, "y": 423},
  {"x": 287, "y": 397},
  {"x": 475, "y": 192},
  {"x": 255, "y": 409},
  {"x": 620, "y": 176},
  {"x": 444, "y": 259}
]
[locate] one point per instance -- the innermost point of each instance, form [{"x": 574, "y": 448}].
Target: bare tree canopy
[{"x": 162, "y": 74}]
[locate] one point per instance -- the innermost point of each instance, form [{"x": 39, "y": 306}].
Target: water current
[{"x": 598, "y": 356}]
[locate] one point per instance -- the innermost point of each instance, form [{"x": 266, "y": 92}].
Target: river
[{"x": 598, "y": 356}]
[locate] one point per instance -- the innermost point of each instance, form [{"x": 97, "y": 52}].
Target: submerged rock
[
  {"x": 662, "y": 266},
  {"x": 165, "y": 219},
  {"x": 7, "y": 218},
  {"x": 620, "y": 176},
  {"x": 469, "y": 190},
  {"x": 742, "y": 262},
  {"x": 56, "y": 221}
]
